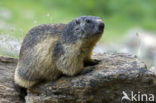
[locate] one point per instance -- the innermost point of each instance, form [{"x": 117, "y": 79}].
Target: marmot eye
[
  {"x": 88, "y": 21},
  {"x": 77, "y": 22}
]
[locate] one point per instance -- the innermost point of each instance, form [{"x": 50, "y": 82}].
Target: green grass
[
  {"x": 118, "y": 16},
  {"x": 40, "y": 15}
]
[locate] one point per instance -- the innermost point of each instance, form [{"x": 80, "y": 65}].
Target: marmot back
[{"x": 50, "y": 50}]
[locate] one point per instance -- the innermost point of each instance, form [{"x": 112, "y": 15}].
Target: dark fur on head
[{"x": 83, "y": 28}]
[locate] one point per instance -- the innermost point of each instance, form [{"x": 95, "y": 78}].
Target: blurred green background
[{"x": 119, "y": 16}]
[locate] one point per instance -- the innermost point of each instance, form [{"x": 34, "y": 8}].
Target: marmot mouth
[
  {"x": 100, "y": 28},
  {"x": 99, "y": 32}
]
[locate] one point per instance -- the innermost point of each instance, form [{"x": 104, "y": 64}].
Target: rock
[
  {"x": 7, "y": 92},
  {"x": 103, "y": 83},
  {"x": 106, "y": 82}
]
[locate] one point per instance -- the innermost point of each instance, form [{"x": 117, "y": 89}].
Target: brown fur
[
  {"x": 39, "y": 62},
  {"x": 43, "y": 59}
]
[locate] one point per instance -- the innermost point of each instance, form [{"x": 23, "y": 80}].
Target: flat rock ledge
[{"x": 106, "y": 82}]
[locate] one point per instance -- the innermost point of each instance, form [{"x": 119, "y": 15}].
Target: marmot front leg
[
  {"x": 91, "y": 62},
  {"x": 70, "y": 67}
]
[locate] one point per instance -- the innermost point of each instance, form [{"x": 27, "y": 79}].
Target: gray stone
[
  {"x": 7, "y": 92},
  {"x": 102, "y": 83}
]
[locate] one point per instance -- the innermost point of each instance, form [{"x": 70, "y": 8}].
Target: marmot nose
[{"x": 101, "y": 25}]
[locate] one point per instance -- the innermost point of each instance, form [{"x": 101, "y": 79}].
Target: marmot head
[{"x": 84, "y": 28}]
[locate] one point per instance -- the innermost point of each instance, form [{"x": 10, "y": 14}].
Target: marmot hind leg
[{"x": 22, "y": 92}]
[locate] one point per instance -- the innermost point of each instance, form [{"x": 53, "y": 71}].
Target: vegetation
[{"x": 118, "y": 15}]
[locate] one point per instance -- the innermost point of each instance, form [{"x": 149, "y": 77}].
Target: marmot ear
[{"x": 77, "y": 21}]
